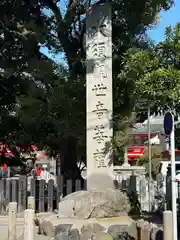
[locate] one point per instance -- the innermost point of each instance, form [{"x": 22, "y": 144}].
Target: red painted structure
[{"x": 135, "y": 152}]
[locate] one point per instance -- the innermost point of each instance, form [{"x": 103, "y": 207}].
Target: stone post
[
  {"x": 143, "y": 192},
  {"x": 31, "y": 202},
  {"x": 12, "y": 221},
  {"x": 168, "y": 225},
  {"x": 9, "y": 172},
  {"x": 99, "y": 103},
  {"x": 29, "y": 225},
  {"x": 126, "y": 164},
  {"x": 144, "y": 229}
]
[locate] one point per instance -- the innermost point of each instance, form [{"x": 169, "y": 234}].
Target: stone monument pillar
[{"x": 99, "y": 97}]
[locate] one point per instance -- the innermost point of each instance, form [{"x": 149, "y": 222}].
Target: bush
[{"x": 155, "y": 161}]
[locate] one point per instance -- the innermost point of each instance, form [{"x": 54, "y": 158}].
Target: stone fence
[
  {"x": 47, "y": 226},
  {"x": 47, "y": 194}
]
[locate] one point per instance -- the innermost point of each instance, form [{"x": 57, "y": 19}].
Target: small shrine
[{"x": 139, "y": 138}]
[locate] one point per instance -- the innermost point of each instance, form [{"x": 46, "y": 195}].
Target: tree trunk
[{"x": 68, "y": 159}]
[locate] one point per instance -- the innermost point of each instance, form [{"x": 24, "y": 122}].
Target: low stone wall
[{"x": 123, "y": 228}]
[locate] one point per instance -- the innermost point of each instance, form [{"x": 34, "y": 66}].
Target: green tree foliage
[
  {"x": 156, "y": 157},
  {"x": 49, "y": 119},
  {"x": 155, "y": 73},
  {"x": 19, "y": 63},
  {"x": 19, "y": 49}
]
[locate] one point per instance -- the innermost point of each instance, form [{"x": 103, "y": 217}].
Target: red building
[{"x": 139, "y": 138}]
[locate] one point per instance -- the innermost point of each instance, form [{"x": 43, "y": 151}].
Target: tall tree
[
  {"x": 155, "y": 75},
  {"x": 19, "y": 61},
  {"x": 18, "y": 47}
]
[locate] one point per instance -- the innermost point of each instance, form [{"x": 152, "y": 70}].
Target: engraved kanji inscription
[
  {"x": 100, "y": 110},
  {"x": 98, "y": 50},
  {"x": 99, "y": 157},
  {"x": 100, "y": 89},
  {"x": 99, "y": 70},
  {"x": 99, "y": 135}
]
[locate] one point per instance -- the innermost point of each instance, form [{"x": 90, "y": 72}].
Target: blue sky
[{"x": 167, "y": 18}]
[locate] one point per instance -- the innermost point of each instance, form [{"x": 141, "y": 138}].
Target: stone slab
[
  {"x": 50, "y": 224},
  {"x": 99, "y": 92}
]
